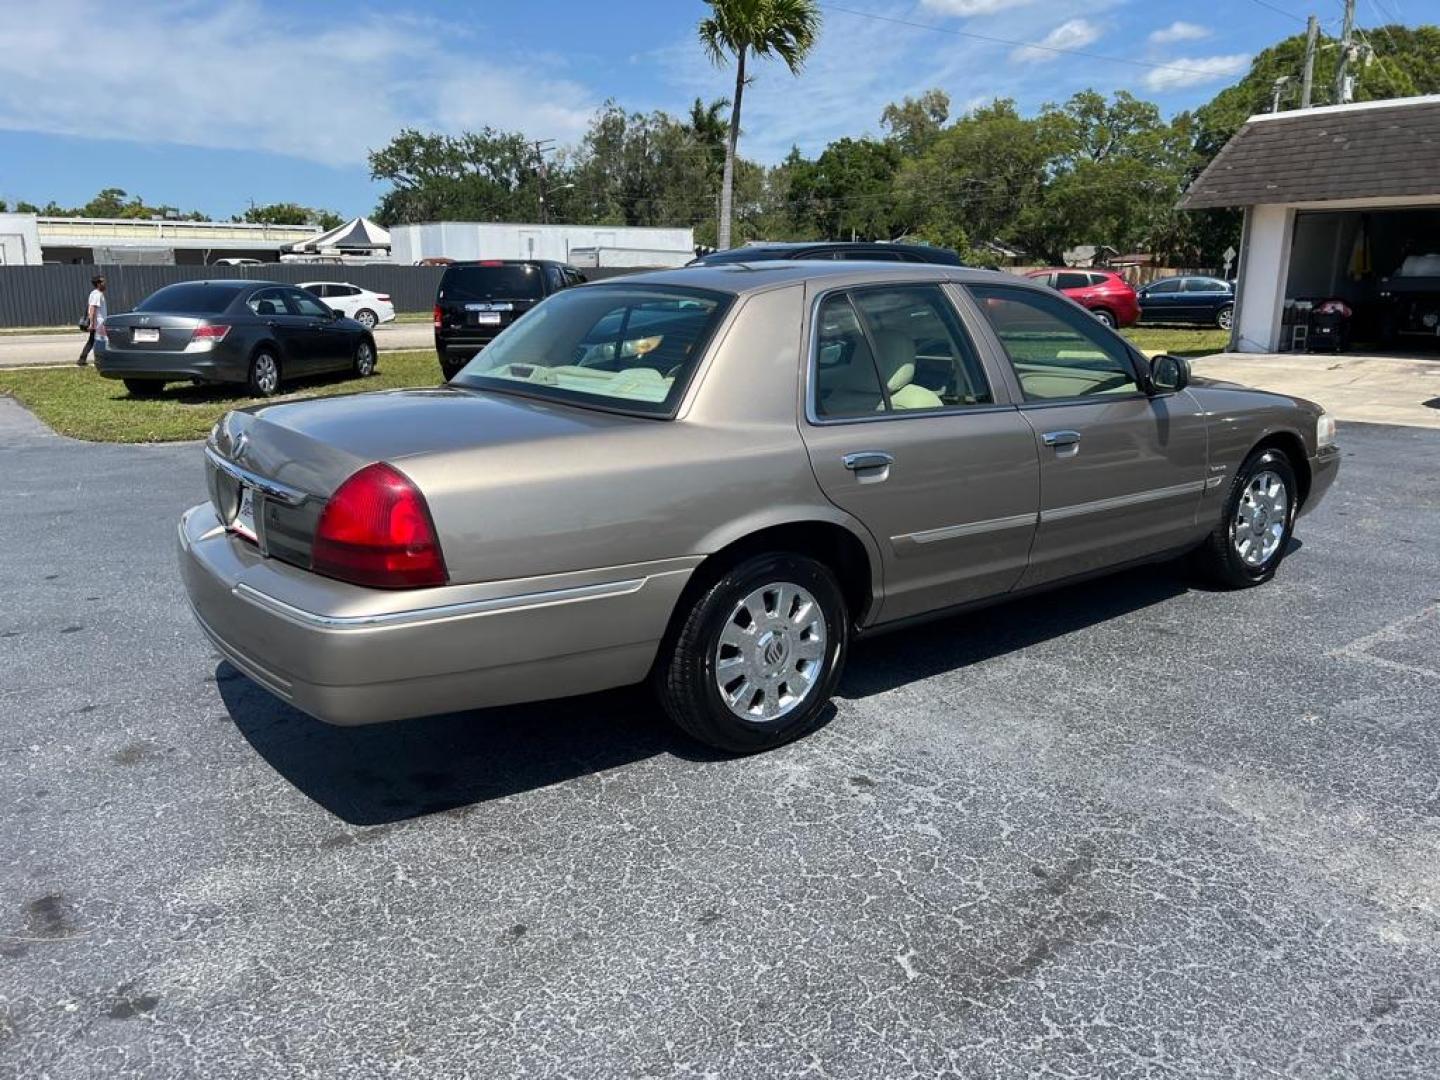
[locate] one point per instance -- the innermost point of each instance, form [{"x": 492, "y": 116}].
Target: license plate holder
[
  {"x": 485, "y": 318},
  {"x": 244, "y": 523},
  {"x": 148, "y": 335}
]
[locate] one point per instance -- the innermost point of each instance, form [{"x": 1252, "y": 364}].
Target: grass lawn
[
  {"x": 79, "y": 403},
  {"x": 1177, "y": 341},
  {"x": 413, "y": 316}
]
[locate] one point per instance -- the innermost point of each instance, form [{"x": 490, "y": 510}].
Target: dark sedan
[
  {"x": 1194, "y": 301},
  {"x": 251, "y": 332}
]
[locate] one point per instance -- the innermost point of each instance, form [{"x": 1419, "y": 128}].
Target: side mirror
[
  {"x": 1169, "y": 374},
  {"x": 334, "y": 314}
]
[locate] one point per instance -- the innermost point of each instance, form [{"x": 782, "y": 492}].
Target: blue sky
[{"x": 208, "y": 105}]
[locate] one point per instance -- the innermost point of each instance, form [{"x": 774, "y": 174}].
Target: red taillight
[
  {"x": 491, "y": 262},
  {"x": 376, "y": 531},
  {"x": 382, "y": 298},
  {"x": 439, "y": 317},
  {"x": 215, "y": 332}
]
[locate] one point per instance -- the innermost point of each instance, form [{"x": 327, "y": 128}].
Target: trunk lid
[{"x": 171, "y": 333}]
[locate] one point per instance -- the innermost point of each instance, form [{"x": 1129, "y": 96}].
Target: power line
[
  {"x": 1154, "y": 65},
  {"x": 1279, "y": 10}
]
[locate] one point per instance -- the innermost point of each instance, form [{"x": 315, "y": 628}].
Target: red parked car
[{"x": 1107, "y": 296}]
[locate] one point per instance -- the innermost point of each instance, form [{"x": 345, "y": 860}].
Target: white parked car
[{"x": 367, "y": 308}]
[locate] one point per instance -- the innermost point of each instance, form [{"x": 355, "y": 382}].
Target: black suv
[
  {"x": 476, "y": 300},
  {"x": 870, "y": 252}
]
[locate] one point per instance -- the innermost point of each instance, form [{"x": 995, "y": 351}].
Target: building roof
[
  {"x": 165, "y": 233},
  {"x": 1377, "y": 149}
]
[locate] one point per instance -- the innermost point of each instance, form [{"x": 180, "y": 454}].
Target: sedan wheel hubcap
[
  {"x": 266, "y": 374},
  {"x": 366, "y": 362},
  {"x": 1260, "y": 518},
  {"x": 771, "y": 652}
]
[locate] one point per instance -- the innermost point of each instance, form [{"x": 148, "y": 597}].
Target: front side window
[
  {"x": 1056, "y": 349},
  {"x": 267, "y": 302},
  {"x": 893, "y": 349},
  {"x": 1169, "y": 285},
  {"x": 626, "y": 347},
  {"x": 299, "y": 302}
]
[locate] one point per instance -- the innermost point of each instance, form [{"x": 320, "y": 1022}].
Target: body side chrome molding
[
  {"x": 441, "y": 612},
  {"x": 1119, "y": 502},
  {"x": 970, "y": 528},
  {"x": 272, "y": 489}
]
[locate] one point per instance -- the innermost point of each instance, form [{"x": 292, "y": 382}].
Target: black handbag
[{"x": 84, "y": 323}]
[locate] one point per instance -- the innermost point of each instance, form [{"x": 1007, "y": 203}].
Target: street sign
[{"x": 1230, "y": 254}]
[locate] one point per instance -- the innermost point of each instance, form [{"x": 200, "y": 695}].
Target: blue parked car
[{"x": 1196, "y": 301}]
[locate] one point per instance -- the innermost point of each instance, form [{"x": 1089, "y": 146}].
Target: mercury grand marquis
[{"x": 713, "y": 479}]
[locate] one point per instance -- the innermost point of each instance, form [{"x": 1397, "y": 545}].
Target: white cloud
[
  {"x": 1074, "y": 34},
  {"x": 1194, "y": 71},
  {"x": 245, "y": 76},
  {"x": 1178, "y": 31},
  {"x": 966, "y": 8}
]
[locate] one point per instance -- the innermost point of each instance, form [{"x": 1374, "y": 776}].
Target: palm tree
[{"x": 783, "y": 28}]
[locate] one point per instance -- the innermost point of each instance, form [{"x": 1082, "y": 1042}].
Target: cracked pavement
[{"x": 1129, "y": 829}]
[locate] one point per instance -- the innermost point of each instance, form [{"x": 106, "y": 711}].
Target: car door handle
[
  {"x": 1061, "y": 438},
  {"x": 867, "y": 459}
]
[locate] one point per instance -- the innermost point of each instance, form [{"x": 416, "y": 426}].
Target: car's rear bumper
[
  {"x": 350, "y": 655},
  {"x": 216, "y": 365}
]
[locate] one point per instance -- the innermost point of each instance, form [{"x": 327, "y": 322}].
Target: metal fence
[{"x": 55, "y": 295}]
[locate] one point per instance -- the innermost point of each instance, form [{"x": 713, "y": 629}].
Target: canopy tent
[{"x": 359, "y": 234}]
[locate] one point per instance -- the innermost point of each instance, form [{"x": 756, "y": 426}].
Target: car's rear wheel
[
  {"x": 757, "y": 655},
  {"x": 1104, "y": 317},
  {"x": 1251, "y": 538},
  {"x": 146, "y": 388},
  {"x": 264, "y": 377},
  {"x": 1225, "y": 317},
  {"x": 366, "y": 318},
  {"x": 450, "y": 367},
  {"x": 364, "y": 362}
]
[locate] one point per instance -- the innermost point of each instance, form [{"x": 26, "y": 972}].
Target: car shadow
[
  {"x": 382, "y": 773},
  {"x": 890, "y": 660}
]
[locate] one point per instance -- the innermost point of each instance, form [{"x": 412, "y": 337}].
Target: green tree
[
  {"x": 741, "y": 28},
  {"x": 913, "y": 123},
  {"x": 487, "y": 175},
  {"x": 848, "y": 191},
  {"x": 290, "y": 213}
]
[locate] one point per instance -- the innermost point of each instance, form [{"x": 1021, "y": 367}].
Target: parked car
[
  {"x": 476, "y": 300},
  {"x": 716, "y": 481},
  {"x": 1103, "y": 293},
  {"x": 253, "y": 332},
  {"x": 1197, "y": 301},
  {"x": 831, "y": 250},
  {"x": 365, "y": 306}
]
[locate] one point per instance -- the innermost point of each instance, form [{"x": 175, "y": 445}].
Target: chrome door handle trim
[
  {"x": 867, "y": 459},
  {"x": 1061, "y": 438}
]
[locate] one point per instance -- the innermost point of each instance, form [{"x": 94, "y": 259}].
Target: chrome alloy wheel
[
  {"x": 771, "y": 652},
  {"x": 365, "y": 360},
  {"x": 1260, "y": 518},
  {"x": 267, "y": 373}
]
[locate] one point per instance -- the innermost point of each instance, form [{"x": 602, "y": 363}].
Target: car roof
[{"x": 740, "y": 278}]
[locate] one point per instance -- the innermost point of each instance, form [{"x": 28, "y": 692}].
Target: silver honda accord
[{"x": 715, "y": 479}]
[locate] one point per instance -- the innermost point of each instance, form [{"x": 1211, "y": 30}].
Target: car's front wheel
[
  {"x": 1225, "y": 317},
  {"x": 364, "y": 362},
  {"x": 1103, "y": 317},
  {"x": 264, "y": 377},
  {"x": 1254, "y": 530},
  {"x": 757, "y": 654}
]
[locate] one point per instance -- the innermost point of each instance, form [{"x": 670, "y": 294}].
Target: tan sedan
[{"x": 714, "y": 478}]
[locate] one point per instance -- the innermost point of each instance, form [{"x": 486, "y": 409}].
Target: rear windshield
[
  {"x": 619, "y": 347},
  {"x": 190, "y": 299},
  {"x": 506, "y": 281}
]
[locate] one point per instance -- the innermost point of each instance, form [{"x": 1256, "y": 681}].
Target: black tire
[
  {"x": 450, "y": 368},
  {"x": 265, "y": 372},
  {"x": 685, "y": 676},
  {"x": 366, "y": 318},
  {"x": 144, "y": 388},
  {"x": 1103, "y": 317},
  {"x": 363, "y": 363},
  {"x": 1219, "y": 558},
  {"x": 1225, "y": 317}
]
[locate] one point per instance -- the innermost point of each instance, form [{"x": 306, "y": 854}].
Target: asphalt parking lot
[{"x": 1130, "y": 829}]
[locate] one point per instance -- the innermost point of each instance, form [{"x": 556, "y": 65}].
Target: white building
[
  {"x": 30, "y": 240},
  {"x": 462, "y": 240},
  {"x": 1342, "y": 202}
]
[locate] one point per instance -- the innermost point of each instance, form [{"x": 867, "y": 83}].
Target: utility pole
[
  {"x": 542, "y": 147},
  {"x": 1312, "y": 33},
  {"x": 1343, "y": 88}
]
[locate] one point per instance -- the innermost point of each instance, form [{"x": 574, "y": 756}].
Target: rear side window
[
  {"x": 1073, "y": 281},
  {"x": 1200, "y": 284},
  {"x": 190, "y": 299},
  {"x": 500, "y": 281},
  {"x": 847, "y": 382}
]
